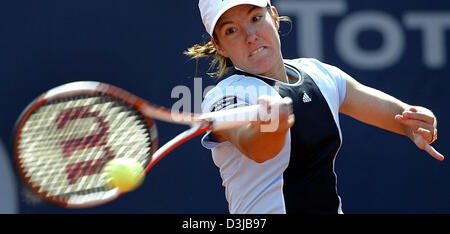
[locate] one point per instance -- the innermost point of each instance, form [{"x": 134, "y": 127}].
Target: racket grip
[{"x": 239, "y": 116}]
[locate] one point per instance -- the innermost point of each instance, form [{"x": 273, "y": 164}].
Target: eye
[
  {"x": 256, "y": 18},
  {"x": 230, "y": 30}
]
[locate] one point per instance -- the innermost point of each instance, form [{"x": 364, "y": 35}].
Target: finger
[
  {"x": 419, "y": 116},
  {"x": 291, "y": 120},
  {"x": 264, "y": 100},
  {"x": 286, "y": 122},
  {"x": 413, "y": 109},
  {"x": 286, "y": 109},
  {"x": 430, "y": 149},
  {"x": 415, "y": 124},
  {"x": 426, "y": 134},
  {"x": 264, "y": 114}
]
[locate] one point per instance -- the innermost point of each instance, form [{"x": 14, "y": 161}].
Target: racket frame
[{"x": 199, "y": 124}]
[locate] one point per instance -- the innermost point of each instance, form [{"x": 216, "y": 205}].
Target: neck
[{"x": 278, "y": 72}]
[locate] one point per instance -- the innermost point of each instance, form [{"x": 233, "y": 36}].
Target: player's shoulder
[
  {"x": 314, "y": 67},
  {"x": 307, "y": 63}
]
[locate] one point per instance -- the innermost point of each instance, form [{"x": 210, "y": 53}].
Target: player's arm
[
  {"x": 379, "y": 109},
  {"x": 253, "y": 141}
]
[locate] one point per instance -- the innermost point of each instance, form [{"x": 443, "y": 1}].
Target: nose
[{"x": 251, "y": 35}]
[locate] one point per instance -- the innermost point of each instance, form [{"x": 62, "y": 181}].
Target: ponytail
[{"x": 199, "y": 51}]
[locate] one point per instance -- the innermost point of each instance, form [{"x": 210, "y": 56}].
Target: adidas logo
[{"x": 306, "y": 98}]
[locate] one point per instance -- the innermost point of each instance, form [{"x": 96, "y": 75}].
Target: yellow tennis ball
[{"x": 123, "y": 173}]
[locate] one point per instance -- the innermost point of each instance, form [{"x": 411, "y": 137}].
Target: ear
[
  {"x": 275, "y": 17},
  {"x": 219, "y": 48}
]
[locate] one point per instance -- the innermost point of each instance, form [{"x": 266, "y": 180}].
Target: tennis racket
[{"x": 65, "y": 136}]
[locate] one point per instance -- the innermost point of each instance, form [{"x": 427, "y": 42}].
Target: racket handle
[{"x": 243, "y": 115}]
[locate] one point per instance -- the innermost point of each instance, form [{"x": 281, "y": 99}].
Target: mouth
[{"x": 256, "y": 51}]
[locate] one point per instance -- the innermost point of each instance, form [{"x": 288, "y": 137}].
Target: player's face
[{"x": 248, "y": 35}]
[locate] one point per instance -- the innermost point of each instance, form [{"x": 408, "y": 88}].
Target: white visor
[{"x": 211, "y": 10}]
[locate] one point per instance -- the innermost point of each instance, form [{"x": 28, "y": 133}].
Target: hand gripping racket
[{"x": 64, "y": 138}]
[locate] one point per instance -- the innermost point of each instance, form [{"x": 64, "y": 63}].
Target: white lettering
[
  {"x": 389, "y": 52},
  {"x": 309, "y": 22},
  {"x": 194, "y": 224},
  {"x": 183, "y": 104},
  {"x": 309, "y": 15},
  {"x": 433, "y": 26}
]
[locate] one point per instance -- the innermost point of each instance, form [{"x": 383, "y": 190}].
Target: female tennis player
[{"x": 289, "y": 169}]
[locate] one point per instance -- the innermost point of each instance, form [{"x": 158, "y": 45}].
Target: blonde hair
[{"x": 222, "y": 63}]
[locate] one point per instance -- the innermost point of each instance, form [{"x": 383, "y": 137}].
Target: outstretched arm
[
  {"x": 379, "y": 109},
  {"x": 253, "y": 141}
]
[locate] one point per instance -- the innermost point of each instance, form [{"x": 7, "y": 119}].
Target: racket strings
[
  {"x": 125, "y": 134},
  {"x": 83, "y": 179},
  {"x": 42, "y": 173}
]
